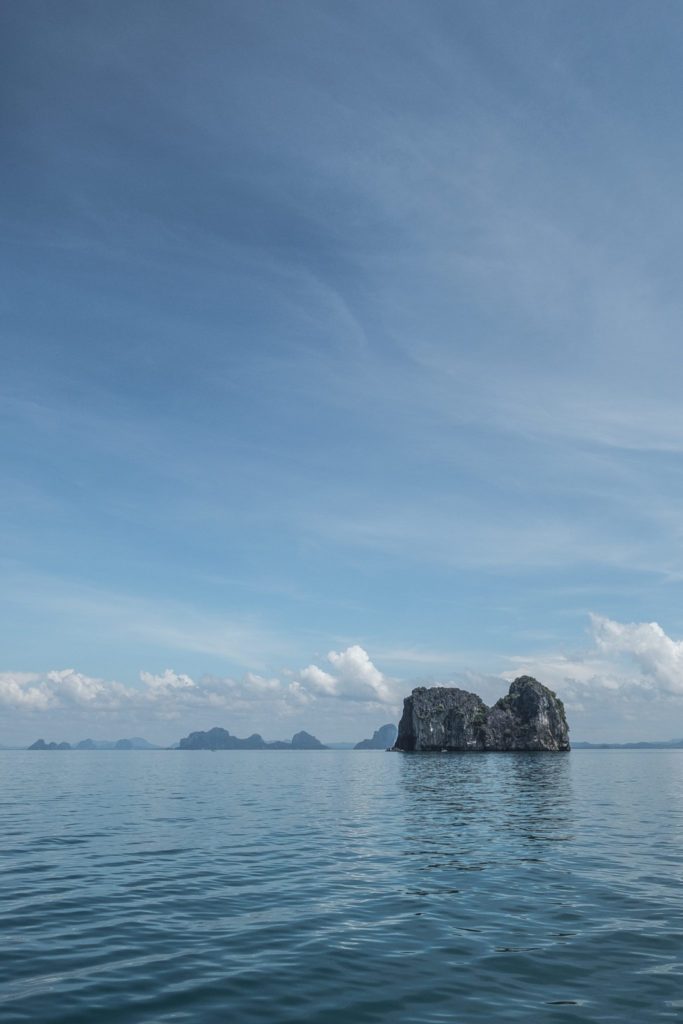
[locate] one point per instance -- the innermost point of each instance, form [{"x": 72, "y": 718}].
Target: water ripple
[{"x": 332, "y": 887}]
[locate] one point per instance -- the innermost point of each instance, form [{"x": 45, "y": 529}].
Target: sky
[{"x": 341, "y": 353}]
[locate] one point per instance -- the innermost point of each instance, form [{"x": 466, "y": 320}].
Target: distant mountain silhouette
[
  {"x": 220, "y": 739},
  {"x": 382, "y": 739},
  {"x": 42, "y": 745},
  {"x": 304, "y": 741},
  {"x": 642, "y": 745},
  {"x": 135, "y": 743}
]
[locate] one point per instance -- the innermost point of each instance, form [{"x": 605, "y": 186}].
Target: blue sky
[{"x": 339, "y": 327}]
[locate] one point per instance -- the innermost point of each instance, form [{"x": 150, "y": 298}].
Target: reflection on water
[
  {"x": 525, "y": 785},
  {"x": 341, "y": 886}
]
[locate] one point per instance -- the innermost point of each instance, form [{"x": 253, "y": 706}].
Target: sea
[{"x": 340, "y": 887}]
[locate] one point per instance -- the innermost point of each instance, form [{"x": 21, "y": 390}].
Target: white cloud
[
  {"x": 354, "y": 677},
  {"x": 627, "y": 671},
  {"x": 169, "y": 694},
  {"x": 659, "y": 658},
  {"x": 168, "y": 681},
  {"x": 619, "y": 686},
  {"x": 318, "y": 680},
  {"x": 23, "y": 690},
  {"x": 59, "y": 688},
  {"x": 358, "y": 678}
]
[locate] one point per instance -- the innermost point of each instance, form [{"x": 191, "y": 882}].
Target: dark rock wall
[{"x": 530, "y": 717}]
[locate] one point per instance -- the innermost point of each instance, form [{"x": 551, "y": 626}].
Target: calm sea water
[{"x": 341, "y": 887}]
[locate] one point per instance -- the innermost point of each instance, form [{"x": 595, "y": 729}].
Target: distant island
[
  {"x": 134, "y": 743},
  {"x": 382, "y": 739},
  {"x": 445, "y": 718},
  {"x": 640, "y": 745},
  {"x": 42, "y": 745},
  {"x": 438, "y": 718},
  {"x": 220, "y": 739}
]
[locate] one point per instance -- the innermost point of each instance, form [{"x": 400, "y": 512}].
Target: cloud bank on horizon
[
  {"x": 625, "y": 666},
  {"x": 338, "y": 327},
  {"x": 76, "y": 700}
]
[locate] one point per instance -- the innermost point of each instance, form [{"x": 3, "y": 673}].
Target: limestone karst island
[
  {"x": 442, "y": 718},
  {"x": 438, "y": 718}
]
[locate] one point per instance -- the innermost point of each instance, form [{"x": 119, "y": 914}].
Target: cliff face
[
  {"x": 530, "y": 717},
  {"x": 442, "y": 717}
]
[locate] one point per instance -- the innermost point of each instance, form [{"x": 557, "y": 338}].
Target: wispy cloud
[
  {"x": 361, "y": 338},
  {"x": 171, "y": 624}
]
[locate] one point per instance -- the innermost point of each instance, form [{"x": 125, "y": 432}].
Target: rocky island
[
  {"x": 220, "y": 739},
  {"x": 135, "y": 743},
  {"x": 42, "y": 745},
  {"x": 382, "y": 739},
  {"x": 530, "y": 717}
]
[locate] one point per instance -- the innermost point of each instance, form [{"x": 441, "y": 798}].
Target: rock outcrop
[
  {"x": 530, "y": 717},
  {"x": 220, "y": 739},
  {"x": 382, "y": 739}
]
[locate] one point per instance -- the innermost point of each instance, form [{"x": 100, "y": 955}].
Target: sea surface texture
[{"x": 341, "y": 886}]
